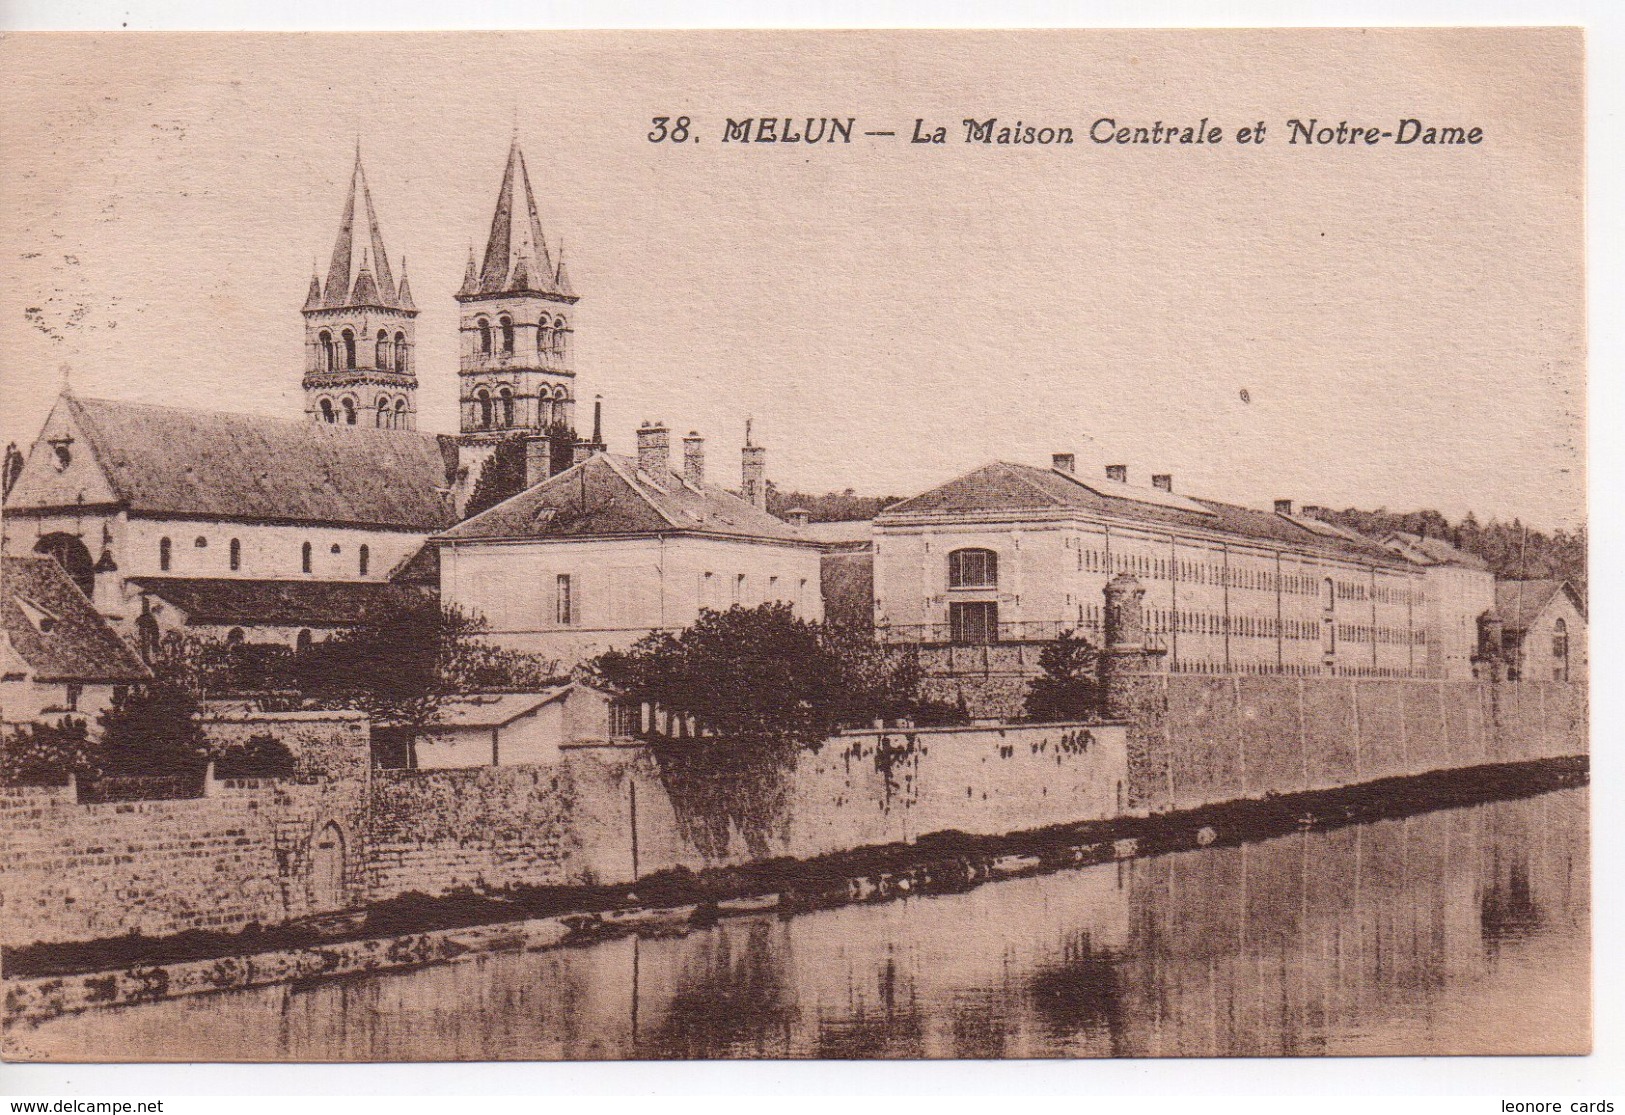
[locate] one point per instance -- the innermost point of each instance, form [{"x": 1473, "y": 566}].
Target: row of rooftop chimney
[
  {"x": 654, "y": 459},
  {"x": 1164, "y": 482}
]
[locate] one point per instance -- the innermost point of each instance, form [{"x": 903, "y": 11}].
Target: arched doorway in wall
[
  {"x": 327, "y": 870},
  {"x": 71, "y": 554}
]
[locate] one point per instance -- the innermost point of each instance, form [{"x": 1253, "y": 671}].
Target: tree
[
  {"x": 404, "y": 660},
  {"x": 762, "y": 677},
  {"x": 262, "y": 755},
  {"x": 503, "y": 475},
  {"x": 152, "y": 729},
  {"x": 46, "y": 754},
  {"x": 1068, "y": 685}
]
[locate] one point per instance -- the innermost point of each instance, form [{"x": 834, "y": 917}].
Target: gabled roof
[
  {"x": 240, "y": 602},
  {"x": 1432, "y": 551},
  {"x": 607, "y": 496},
  {"x": 168, "y": 461},
  {"x": 1006, "y": 488},
  {"x": 1519, "y": 603},
  {"x": 56, "y": 631}
]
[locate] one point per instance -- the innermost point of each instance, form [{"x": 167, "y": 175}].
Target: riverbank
[{"x": 43, "y": 981}]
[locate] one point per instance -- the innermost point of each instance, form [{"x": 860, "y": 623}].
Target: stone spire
[
  {"x": 339, "y": 291},
  {"x": 403, "y": 293},
  {"x": 471, "y": 276},
  {"x": 313, "y": 300},
  {"x": 516, "y": 237},
  {"x": 561, "y": 278}
]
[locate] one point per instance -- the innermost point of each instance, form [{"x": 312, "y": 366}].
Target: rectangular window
[
  {"x": 973, "y": 569},
  {"x": 973, "y": 623},
  {"x": 624, "y": 719},
  {"x": 739, "y": 589},
  {"x": 772, "y": 588},
  {"x": 567, "y": 606}
]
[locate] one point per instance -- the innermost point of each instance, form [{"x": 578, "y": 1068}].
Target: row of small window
[
  {"x": 1388, "y": 636},
  {"x": 389, "y": 353},
  {"x": 739, "y": 590},
  {"x": 1289, "y": 669},
  {"x": 495, "y": 410},
  {"x": 234, "y": 554},
  {"x": 552, "y": 335},
  {"x": 389, "y": 414},
  {"x": 979, "y": 568}
]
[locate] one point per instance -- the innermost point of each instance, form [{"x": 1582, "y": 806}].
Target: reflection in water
[{"x": 1421, "y": 935}]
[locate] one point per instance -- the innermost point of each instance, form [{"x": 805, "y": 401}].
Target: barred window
[{"x": 973, "y": 569}]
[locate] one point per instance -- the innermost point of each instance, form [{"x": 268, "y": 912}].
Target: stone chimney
[
  {"x": 753, "y": 473},
  {"x": 538, "y": 460},
  {"x": 1283, "y": 507},
  {"x": 1063, "y": 462},
  {"x": 1311, "y": 511},
  {"x": 654, "y": 450},
  {"x": 1118, "y": 473},
  {"x": 799, "y": 516},
  {"x": 580, "y": 451},
  {"x": 694, "y": 459},
  {"x": 1162, "y": 481}
]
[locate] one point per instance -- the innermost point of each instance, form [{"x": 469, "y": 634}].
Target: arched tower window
[
  {"x": 365, "y": 559},
  {"x": 327, "y": 411},
  {"x": 349, "y": 349},
  {"x": 381, "y": 418},
  {"x": 304, "y": 558},
  {"x": 326, "y": 339},
  {"x": 349, "y": 410},
  {"x": 561, "y": 338},
  {"x": 380, "y": 356},
  {"x": 301, "y": 642},
  {"x": 236, "y": 559},
  {"x": 506, "y": 323},
  {"x": 400, "y": 352},
  {"x": 505, "y": 406},
  {"x": 544, "y": 335},
  {"x": 485, "y": 337},
  {"x": 400, "y": 413},
  {"x": 166, "y": 554},
  {"x": 482, "y": 400}
]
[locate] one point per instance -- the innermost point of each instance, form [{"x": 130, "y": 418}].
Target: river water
[{"x": 1459, "y": 931}]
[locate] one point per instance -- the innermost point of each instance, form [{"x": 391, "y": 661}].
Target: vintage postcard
[{"x": 688, "y": 545}]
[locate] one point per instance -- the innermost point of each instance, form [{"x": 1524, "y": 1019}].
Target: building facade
[
  {"x": 617, "y": 547},
  {"x": 135, "y": 500},
  {"x": 1010, "y": 553},
  {"x": 1544, "y": 630},
  {"x": 1459, "y": 588}
]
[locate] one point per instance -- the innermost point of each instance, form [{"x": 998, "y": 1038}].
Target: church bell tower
[
  {"x": 360, "y": 349},
  {"x": 517, "y": 323}
]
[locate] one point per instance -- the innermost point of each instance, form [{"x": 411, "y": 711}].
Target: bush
[
  {"x": 46, "y": 754},
  {"x": 1068, "y": 688},
  {"x": 153, "y": 730},
  {"x": 261, "y": 756}
]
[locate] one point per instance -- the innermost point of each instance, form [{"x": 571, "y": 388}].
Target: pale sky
[{"x": 1407, "y": 322}]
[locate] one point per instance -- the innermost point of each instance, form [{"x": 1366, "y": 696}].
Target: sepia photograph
[{"x": 836, "y": 545}]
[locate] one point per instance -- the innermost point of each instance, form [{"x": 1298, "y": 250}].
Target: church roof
[
  {"x": 1006, "y": 488},
  {"x": 365, "y": 243},
  {"x": 168, "y": 461},
  {"x": 516, "y": 252},
  {"x": 1433, "y": 551},
  {"x": 241, "y": 602},
  {"x": 607, "y": 496},
  {"x": 53, "y": 628},
  {"x": 1519, "y": 603}
]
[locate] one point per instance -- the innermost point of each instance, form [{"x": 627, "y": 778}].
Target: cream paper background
[{"x": 269, "y": 387}]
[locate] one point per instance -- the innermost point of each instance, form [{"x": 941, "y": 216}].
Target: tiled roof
[
  {"x": 1519, "y": 603},
  {"x": 1434, "y": 551},
  {"x": 1003, "y": 487},
  {"x": 606, "y": 496},
  {"x": 492, "y": 710},
  {"x": 229, "y": 601},
  {"x": 53, "y": 628},
  {"x": 166, "y": 460}
]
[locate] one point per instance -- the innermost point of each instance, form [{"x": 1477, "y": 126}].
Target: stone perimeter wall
[
  {"x": 247, "y": 852},
  {"x": 1197, "y": 740}
]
